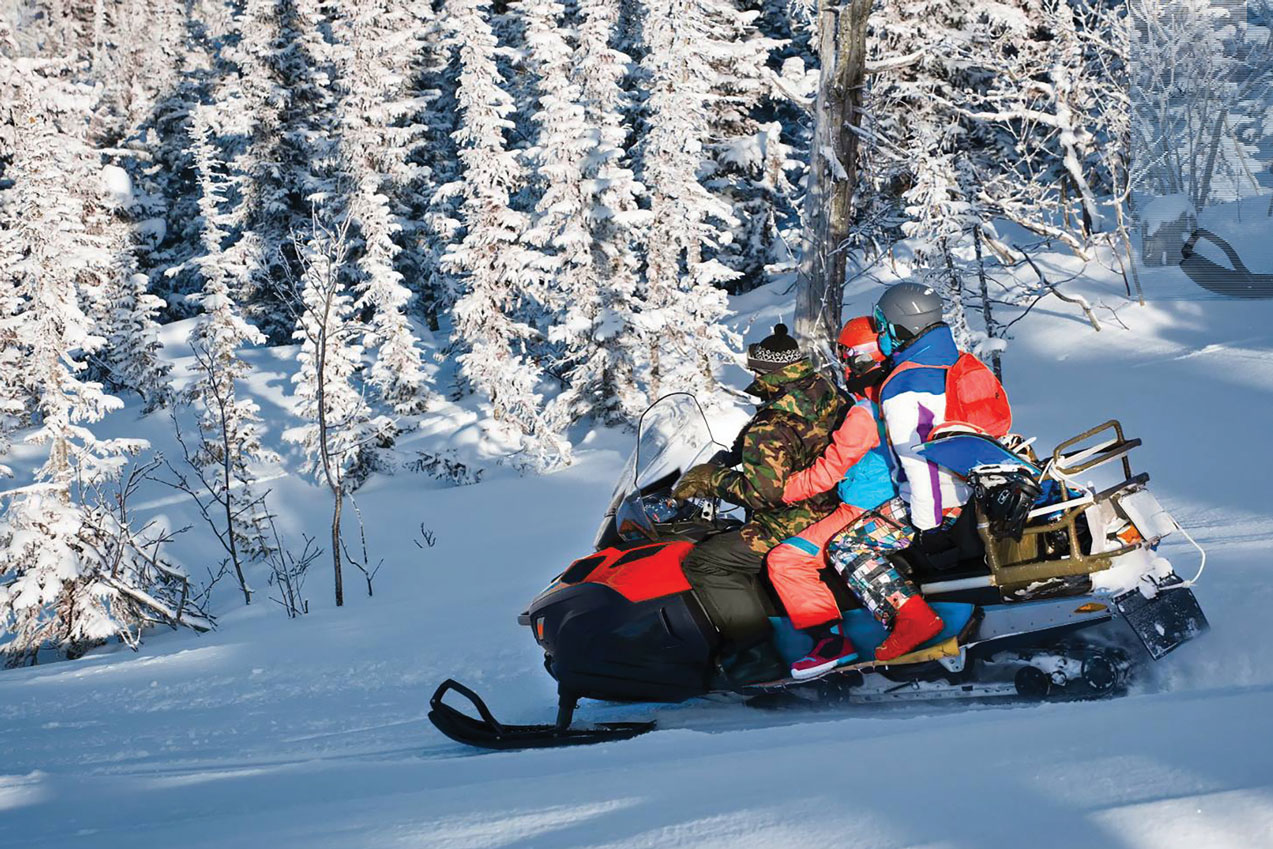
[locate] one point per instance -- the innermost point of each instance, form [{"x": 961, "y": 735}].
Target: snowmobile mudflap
[
  {"x": 488, "y": 733},
  {"x": 1164, "y": 622}
]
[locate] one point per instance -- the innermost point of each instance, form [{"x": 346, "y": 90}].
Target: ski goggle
[
  {"x": 888, "y": 339},
  {"x": 858, "y": 359}
]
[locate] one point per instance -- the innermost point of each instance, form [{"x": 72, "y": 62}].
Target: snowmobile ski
[{"x": 488, "y": 733}]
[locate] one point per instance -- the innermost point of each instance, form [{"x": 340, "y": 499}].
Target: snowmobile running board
[{"x": 488, "y": 733}]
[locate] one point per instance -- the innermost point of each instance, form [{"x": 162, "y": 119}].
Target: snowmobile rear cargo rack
[
  {"x": 1117, "y": 447},
  {"x": 489, "y": 733},
  {"x": 1016, "y": 564}
]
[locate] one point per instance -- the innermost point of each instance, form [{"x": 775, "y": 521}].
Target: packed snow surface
[{"x": 272, "y": 732}]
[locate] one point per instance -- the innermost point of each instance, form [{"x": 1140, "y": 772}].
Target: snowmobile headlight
[
  {"x": 539, "y": 629},
  {"x": 1091, "y": 607}
]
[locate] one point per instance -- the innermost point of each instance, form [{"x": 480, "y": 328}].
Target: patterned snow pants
[{"x": 860, "y": 554}]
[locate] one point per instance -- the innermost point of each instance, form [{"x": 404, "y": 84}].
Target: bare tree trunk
[
  {"x": 1127, "y": 245},
  {"x": 1204, "y": 187},
  {"x": 335, "y": 481},
  {"x": 833, "y": 174},
  {"x": 227, "y": 481},
  {"x": 987, "y": 315},
  {"x": 337, "y": 503}
]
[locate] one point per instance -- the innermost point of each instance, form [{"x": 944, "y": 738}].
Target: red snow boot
[{"x": 915, "y": 623}]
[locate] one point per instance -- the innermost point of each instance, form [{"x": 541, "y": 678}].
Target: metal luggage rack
[{"x": 1017, "y": 564}]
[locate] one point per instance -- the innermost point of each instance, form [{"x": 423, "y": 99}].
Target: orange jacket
[{"x": 858, "y": 434}]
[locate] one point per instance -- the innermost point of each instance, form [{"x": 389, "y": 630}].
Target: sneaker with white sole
[{"x": 829, "y": 652}]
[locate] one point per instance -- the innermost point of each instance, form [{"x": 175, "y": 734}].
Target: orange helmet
[{"x": 860, "y": 346}]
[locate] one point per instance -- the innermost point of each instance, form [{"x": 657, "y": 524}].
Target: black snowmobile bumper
[
  {"x": 1164, "y": 622},
  {"x": 488, "y": 733}
]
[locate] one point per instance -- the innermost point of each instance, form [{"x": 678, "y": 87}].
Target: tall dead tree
[{"x": 833, "y": 172}]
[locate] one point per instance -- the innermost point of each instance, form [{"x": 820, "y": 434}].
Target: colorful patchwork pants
[{"x": 860, "y": 554}]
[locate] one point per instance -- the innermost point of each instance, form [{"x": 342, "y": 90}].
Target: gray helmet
[{"x": 910, "y": 307}]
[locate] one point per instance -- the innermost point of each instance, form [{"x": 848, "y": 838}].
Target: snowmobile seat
[{"x": 867, "y": 634}]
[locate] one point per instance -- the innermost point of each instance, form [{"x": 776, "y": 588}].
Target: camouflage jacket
[{"x": 798, "y": 414}]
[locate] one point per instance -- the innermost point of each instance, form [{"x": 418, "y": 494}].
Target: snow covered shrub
[
  {"x": 444, "y": 468},
  {"x": 73, "y": 573},
  {"x": 127, "y": 319},
  {"x": 288, "y": 569}
]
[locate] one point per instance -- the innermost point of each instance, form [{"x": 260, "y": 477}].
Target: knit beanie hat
[{"x": 774, "y": 352}]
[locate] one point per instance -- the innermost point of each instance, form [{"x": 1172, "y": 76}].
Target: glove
[
  {"x": 696, "y": 483},
  {"x": 725, "y": 458}
]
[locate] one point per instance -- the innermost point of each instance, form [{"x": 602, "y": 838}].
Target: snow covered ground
[{"x": 275, "y": 733}]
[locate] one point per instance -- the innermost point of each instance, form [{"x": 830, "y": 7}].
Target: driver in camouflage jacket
[{"x": 799, "y": 410}]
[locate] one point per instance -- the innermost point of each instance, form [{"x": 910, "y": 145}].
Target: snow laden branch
[{"x": 1077, "y": 300}]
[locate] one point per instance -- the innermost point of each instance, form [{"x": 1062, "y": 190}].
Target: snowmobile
[
  {"x": 1235, "y": 282},
  {"x": 1061, "y": 597}
]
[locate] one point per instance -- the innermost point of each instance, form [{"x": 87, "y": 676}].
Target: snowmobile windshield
[{"x": 672, "y": 436}]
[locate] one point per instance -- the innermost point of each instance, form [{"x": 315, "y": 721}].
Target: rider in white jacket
[
  {"x": 913, "y": 399},
  {"x": 908, "y": 319}
]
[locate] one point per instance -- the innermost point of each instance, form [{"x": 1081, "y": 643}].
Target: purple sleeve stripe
[{"x": 924, "y": 428}]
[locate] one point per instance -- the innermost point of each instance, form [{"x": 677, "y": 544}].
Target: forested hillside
[{"x": 536, "y": 209}]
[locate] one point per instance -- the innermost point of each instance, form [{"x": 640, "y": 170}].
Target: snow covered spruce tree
[
  {"x": 589, "y": 281},
  {"x": 342, "y": 432},
  {"x": 431, "y": 222},
  {"x": 72, "y": 573},
  {"x": 124, "y": 311},
  {"x": 16, "y": 391},
  {"x": 493, "y": 267},
  {"x": 747, "y": 156},
  {"x": 683, "y": 306},
  {"x": 127, "y": 317},
  {"x": 374, "y": 62},
  {"x": 282, "y": 101},
  {"x": 603, "y": 348}
]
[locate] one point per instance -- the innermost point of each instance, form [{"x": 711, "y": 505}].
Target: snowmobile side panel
[
  {"x": 601, "y": 645},
  {"x": 1165, "y": 622},
  {"x": 1028, "y": 623},
  {"x": 645, "y": 573}
]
